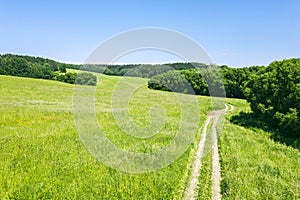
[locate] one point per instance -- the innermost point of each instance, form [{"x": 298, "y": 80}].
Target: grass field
[
  {"x": 42, "y": 156},
  {"x": 253, "y": 165}
]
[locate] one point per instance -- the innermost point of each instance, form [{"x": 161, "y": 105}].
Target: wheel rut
[{"x": 192, "y": 190}]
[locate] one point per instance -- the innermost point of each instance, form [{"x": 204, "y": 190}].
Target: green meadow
[
  {"x": 42, "y": 156},
  {"x": 254, "y": 165}
]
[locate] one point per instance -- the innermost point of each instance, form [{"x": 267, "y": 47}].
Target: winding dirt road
[{"x": 192, "y": 190}]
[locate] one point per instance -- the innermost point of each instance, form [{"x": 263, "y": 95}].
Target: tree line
[
  {"x": 273, "y": 91},
  {"x": 36, "y": 67},
  {"x": 133, "y": 70},
  {"x": 203, "y": 80}
]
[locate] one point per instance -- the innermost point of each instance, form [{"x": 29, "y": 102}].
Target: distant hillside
[{"x": 233, "y": 79}]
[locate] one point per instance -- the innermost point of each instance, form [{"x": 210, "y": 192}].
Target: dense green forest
[
  {"x": 273, "y": 91},
  {"x": 134, "y": 70},
  {"x": 198, "y": 79},
  {"x": 274, "y": 95},
  {"x": 36, "y": 67}
]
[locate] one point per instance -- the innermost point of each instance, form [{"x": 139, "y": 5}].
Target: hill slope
[{"x": 42, "y": 156}]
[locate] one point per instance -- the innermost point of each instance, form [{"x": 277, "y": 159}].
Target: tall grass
[
  {"x": 41, "y": 154},
  {"x": 254, "y": 166}
]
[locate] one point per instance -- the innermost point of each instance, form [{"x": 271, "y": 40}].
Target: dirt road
[{"x": 192, "y": 190}]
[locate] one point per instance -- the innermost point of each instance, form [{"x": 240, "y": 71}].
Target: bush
[
  {"x": 86, "y": 79},
  {"x": 274, "y": 93},
  {"x": 80, "y": 78},
  {"x": 203, "y": 81},
  {"x": 170, "y": 81}
]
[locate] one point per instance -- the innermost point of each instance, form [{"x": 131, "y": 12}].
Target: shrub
[{"x": 86, "y": 79}]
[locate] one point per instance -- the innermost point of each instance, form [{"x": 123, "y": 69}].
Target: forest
[
  {"x": 43, "y": 68},
  {"x": 273, "y": 91}
]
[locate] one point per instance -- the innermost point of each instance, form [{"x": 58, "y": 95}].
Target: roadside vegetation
[
  {"x": 254, "y": 165},
  {"x": 273, "y": 91}
]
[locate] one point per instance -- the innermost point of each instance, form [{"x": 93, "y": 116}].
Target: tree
[
  {"x": 274, "y": 94},
  {"x": 63, "y": 68}
]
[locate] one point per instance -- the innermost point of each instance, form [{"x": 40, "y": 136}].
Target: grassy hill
[{"x": 41, "y": 154}]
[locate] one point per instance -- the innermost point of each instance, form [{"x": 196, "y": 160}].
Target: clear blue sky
[{"x": 236, "y": 33}]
